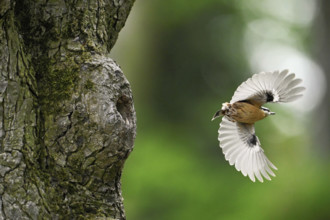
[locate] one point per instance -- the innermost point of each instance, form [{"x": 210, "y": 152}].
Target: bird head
[
  {"x": 225, "y": 107},
  {"x": 267, "y": 111}
]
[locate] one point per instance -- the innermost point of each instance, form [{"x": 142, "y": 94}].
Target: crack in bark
[
  {"x": 2, "y": 208},
  {"x": 42, "y": 198}
]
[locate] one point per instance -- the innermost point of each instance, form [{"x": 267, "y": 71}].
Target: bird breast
[{"x": 245, "y": 112}]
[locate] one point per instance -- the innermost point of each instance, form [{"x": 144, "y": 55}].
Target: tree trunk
[{"x": 67, "y": 121}]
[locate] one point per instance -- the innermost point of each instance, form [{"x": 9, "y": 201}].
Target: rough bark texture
[{"x": 67, "y": 121}]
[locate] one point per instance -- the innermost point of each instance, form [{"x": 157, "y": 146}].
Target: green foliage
[
  {"x": 181, "y": 70},
  {"x": 168, "y": 177}
]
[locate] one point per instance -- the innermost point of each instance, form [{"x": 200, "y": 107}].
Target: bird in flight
[{"x": 237, "y": 137}]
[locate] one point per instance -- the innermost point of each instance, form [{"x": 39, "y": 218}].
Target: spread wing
[
  {"x": 241, "y": 148},
  {"x": 269, "y": 87}
]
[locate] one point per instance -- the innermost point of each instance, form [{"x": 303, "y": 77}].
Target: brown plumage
[{"x": 245, "y": 112}]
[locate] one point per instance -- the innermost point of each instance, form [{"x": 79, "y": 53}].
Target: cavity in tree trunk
[{"x": 67, "y": 121}]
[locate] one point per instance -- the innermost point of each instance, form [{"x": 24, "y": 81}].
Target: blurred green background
[{"x": 184, "y": 58}]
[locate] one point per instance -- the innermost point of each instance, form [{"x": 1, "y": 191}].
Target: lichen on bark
[{"x": 67, "y": 120}]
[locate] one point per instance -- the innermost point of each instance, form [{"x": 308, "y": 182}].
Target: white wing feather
[
  {"x": 248, "y": 157},
  {"x": 269, "y": 87}
]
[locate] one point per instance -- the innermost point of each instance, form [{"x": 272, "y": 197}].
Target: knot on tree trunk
[{"x": 87, "y": 141}]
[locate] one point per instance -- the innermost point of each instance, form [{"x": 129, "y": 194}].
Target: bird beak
[
  {"x": 272, "y": 113},
  {"x": 217, "y": 114}
]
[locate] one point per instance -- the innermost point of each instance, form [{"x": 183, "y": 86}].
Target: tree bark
[{"x": 67, "y": 120}]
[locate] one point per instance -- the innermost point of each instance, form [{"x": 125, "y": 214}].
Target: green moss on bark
[
  {"x": 89, "y": 85},
  {"x": 56, "y": 82}
]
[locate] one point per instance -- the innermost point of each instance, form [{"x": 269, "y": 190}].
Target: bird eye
[{"x": 265, "y": 109}]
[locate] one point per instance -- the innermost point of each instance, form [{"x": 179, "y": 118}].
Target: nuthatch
[{"x": 238, "y": 141}]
